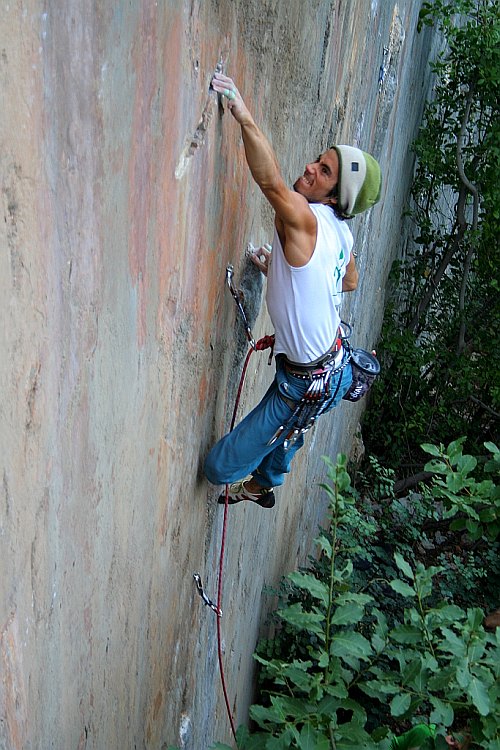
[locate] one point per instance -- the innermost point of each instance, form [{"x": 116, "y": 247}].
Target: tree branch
[{"x": 475, "y": 212}]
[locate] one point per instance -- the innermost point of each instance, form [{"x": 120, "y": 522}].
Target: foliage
[
  {"x": 475, "y": 505},
  {"x": 436, "y": 523},
  {"x": 345, "y": 670},
  {"x": 440, "y": 343}
]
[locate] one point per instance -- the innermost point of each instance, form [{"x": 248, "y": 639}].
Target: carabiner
[{"x": 238, "y": 296}]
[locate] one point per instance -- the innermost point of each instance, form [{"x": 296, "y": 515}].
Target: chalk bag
[{"x": 365, "y": 368}]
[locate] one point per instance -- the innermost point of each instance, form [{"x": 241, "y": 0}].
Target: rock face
[{"x": 124, "y": 195}]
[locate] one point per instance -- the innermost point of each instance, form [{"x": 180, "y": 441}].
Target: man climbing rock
[{"x": 310, "y": 265}]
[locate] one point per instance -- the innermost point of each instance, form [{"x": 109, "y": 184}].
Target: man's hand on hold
[
  {"x": 261, "y": 257},
  {"x": 226, "y": 86}
]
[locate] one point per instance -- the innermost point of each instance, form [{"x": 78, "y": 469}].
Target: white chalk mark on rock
[{"x": 197, "y": 139}]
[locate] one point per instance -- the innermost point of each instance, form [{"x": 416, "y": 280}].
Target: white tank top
[{"x": 302, "y": 302}]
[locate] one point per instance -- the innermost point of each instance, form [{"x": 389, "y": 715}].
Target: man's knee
[{"x": 211, "y": 470}]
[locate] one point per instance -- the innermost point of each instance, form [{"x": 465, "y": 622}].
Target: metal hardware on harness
[
  {"x": 311, "y": 405},
  {"x": 238, "y": 298},
  {"x": 206, "y": 599}
]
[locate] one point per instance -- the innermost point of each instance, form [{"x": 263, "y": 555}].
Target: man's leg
[
  {"x": 239, "y": 452},
  {"x": 276, "y": 464},
  {"x": 245, "y": 450}
]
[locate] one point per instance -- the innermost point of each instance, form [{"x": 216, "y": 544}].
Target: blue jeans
[{"x": 245, "y": 450}]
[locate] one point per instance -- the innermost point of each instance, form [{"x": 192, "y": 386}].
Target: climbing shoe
[{"x": 238, "y": 492}]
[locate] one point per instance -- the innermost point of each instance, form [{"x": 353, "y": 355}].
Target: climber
[{"x": 310, "y": 265}]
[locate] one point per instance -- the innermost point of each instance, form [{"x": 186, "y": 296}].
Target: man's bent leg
[
  {"x": 239, "y": 452},
  {"x": 274, "y": 466}
]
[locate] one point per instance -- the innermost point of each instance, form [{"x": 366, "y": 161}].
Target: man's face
[{"x": 319, "y": 178}]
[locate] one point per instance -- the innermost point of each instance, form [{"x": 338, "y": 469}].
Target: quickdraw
[
  {"x": 206, "y": 599},
  {"x": 310, "y": 407},
  {"x": 238, "y": 298}
]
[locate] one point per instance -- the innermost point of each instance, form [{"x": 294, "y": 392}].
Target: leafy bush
[
  {"x": 440, "y": 342},
  {"x": 475, "y": 505},
  {"x": 343, "y": 671}
]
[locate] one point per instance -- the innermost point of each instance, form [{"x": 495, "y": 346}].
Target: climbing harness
[
  {"x": 318, "y": 395},
  {"x": 312, "y": 404}
]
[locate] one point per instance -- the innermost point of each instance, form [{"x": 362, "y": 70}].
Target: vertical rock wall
[{"x": 124, "y": 195}]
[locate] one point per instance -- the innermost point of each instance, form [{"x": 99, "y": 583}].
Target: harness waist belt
[{"x": 332, "y": 357}]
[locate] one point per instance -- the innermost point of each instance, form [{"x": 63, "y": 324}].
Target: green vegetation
[
  {"x": 440, "y": 344},
  {"x": 365, "y": 645}
]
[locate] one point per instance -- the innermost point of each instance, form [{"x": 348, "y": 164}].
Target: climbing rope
[
  {"x": 267, "y": 342},
  {"x": 264, "y": 343}
]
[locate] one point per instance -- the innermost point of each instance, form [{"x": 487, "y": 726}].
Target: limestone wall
[{"x": 124, "y": 195}]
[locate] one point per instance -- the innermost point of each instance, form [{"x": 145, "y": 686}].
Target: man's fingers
[
  {"x": 260, "y": 257},
  {"x": 223, "y": 80},
  {"x": 224, "y": 85},
  {"x": 257, "y": 261}
]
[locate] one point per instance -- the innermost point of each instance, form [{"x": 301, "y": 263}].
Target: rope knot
[{"x": 266, "y": 342}]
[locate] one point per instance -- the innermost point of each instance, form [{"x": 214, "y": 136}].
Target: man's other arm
[{"x": 351, "y": 276}]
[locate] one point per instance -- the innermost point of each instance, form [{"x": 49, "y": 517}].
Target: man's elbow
[{"x": 350, "y": 284}]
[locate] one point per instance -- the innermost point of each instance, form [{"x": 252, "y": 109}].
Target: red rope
[{"x": 264, "y": 343}]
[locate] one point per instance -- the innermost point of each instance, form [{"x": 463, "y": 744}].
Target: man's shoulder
[{"x": 331, "y": 223}]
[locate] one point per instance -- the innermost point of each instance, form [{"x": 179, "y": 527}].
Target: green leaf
[
  {"x": 455, "y": 482},
  {"x": 403, "y": 566},
  {"x": 412, "y": 673},
  {"x": 442, "y": 712},
  {"x": 297, "y": 672},
  {"x": 348, "y": 614},
  {"x": 379, "y": 688},
  {"x": 441, "y": 680},
  {"x": 400, "y": 587},
  {"x": 325, "y": 545},
  {"x": 437, "y": 467},
  {"x": 309, "y": 583},
  {"x": 406, "y": 634},
  {"x": 353, "y": 736},
  {"x": 400, "y": 704},
  {"x": 310, "y": 621},
  {"x": 324, "y": 659},
  {"x": 350, "y": 644},
  {"x": 255, "y": 741},
  {"x": 352, "y": 596},
  {"x": 463, "y": 674},
  {"x": 475, "y": 618},
  {"x": 264, "y": 716},
  {"x": 491, "y": 447},
  {"x": 454, "y": 449},
  {"x": 452, "y": 643},
  {"x": 492, "y": 745},
  {"x": 293, "y": 707},
  {"x": 479, "y": 696},
  {"x": 466, "y": 464},
  {"x": 336, "y": 690},
  {"x": 282, "y": 742},
  {"x": 433, "y": 450},
  {"x": 311, "y": 739},
  {"x": 447, "y": 613}
]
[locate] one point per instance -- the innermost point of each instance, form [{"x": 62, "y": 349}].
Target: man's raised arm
[{"x": 290, "y": 207}]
